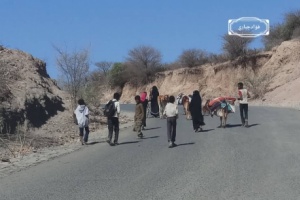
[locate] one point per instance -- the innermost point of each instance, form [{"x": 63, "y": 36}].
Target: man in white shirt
[
  {"x": 113, "y": 122},
  {"x": 243, "y": 100},
  {"x": 171, "y": 111}
]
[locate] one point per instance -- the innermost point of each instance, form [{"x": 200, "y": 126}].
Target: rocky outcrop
[{"x": 31, "y": 97}]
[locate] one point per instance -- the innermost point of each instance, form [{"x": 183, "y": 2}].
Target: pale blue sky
[{"x": 112, "y": 27}]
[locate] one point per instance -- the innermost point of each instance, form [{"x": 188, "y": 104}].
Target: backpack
[{"x": 109, "y": 109}]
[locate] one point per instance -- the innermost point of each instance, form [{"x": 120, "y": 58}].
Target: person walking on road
[
  {"x": 82, "y": 116},
  {"x": 138, "y": 116},
  {"x": 171, "y": 112},
  {"x": 112, "y": 112},
  {"x": 144, "y": 101},
  {"x": 154, "y": 102},
  {"x": 243, "y": 100},
  {"x": 196, "y": 111}
]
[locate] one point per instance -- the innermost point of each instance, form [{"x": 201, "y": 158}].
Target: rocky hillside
[
  {"x": 272, "y": 76},
  {"x": 29, "y": 97}
]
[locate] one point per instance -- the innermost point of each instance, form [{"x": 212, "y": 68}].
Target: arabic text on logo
[{"x": 248, "y": 27}]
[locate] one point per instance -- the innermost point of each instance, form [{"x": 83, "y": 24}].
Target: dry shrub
[
  {"x": 193, "y": 58},
  {"x": 4, "y": 89},
  {"x": 235, "y": 46},
  {"x": 287, "y": 30},
  {"x": 17, "y": 144},
  {"x": 257, "y": 83}
]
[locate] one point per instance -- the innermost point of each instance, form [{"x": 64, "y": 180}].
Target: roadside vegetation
[
  {"x": 140, "y": 66},
  {"x": 143, "y": 62},
  {"x": 287, "y": 30}
]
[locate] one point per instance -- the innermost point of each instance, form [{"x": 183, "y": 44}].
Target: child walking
[
  {"x": 82, "y": 116},
  {"x": 171, "y": 112},
  {"x": 138, "y": 116},
  {"x": 243, "y": 99}
]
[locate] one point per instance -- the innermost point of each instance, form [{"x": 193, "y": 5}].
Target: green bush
[{"x": 117, "y": 75}]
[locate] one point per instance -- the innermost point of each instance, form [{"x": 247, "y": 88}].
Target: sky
[{"x": 110, "y": 28}]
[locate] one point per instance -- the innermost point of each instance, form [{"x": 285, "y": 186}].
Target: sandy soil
[{"x": 45, "y": 154}]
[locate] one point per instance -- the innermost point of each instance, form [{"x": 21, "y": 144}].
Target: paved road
[{"x": 262, "y": 162}]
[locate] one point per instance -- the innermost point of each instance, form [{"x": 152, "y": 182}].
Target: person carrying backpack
[
  {"x": 112, "y": 112},
  {"x": 82, "y": 116}
]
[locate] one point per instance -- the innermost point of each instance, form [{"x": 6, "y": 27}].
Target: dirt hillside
[
  {"x": 274, "y": 75},
  {"x": 34, "y": 111},
  {"x": 32, "y": 103}
]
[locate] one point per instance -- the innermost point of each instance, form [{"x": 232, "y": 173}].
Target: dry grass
[
  {"x": 17, "y": 144},
  {"x": 258, "y": 83}
]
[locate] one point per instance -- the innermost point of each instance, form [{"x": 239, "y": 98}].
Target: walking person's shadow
[
  {"x": 152, "y": 137},
  {"x": 95, "y": 142},
  {"x": 233, "y": 125},
  {"x": 147, "y": 129},
  {"x": 184, "y": 144},
  {"x": 239, "y": 125},
  {"x": 205, "y": 130},
  {"x": 129, "y": 142}
]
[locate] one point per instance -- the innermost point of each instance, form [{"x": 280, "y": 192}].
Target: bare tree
[
  {"x": 146, "y": 59},
  {"x": 74, "y": 68},
  {"x": 235, "y": 46},
  {"x": 104, "y": 66},
  {"x": 193, "y": 57},
  {"x": 145, "y": 56}
]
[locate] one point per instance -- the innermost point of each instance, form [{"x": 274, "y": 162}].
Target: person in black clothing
[
  {"x": 144, "y": 101},
  {"x": 196, "y": 111},
  {"x": 154, "y": 104},
  {"x": 113, "y": 122}
]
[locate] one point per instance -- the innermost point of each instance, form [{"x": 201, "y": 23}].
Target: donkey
[
  {"x": 205, "y": 108},
  {"x": 162, "y": 102},
  {"x": 224, "y": 107},
  {"x": 223, "y": 111},
  {"x": 186, "y": 105}
]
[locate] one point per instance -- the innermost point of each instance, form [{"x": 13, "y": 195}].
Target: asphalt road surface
[{"x": 261, "y": 162}]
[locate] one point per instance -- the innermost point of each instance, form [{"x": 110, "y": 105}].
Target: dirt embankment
[
  {"x": 273, "y": 75},
  {"x": 34, "y": 111}
]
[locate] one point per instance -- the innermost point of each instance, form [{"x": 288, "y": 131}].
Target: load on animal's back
[
  {"x": 180, "y": 96},
  {"x": 221, "y": 107}
]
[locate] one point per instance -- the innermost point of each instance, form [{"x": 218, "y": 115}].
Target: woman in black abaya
[
  {"x": 196, "y": 111},
  {"x": 154, "y": 104}
]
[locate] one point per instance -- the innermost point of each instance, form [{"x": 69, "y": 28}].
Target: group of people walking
[{"x": 112, "y": 112}]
